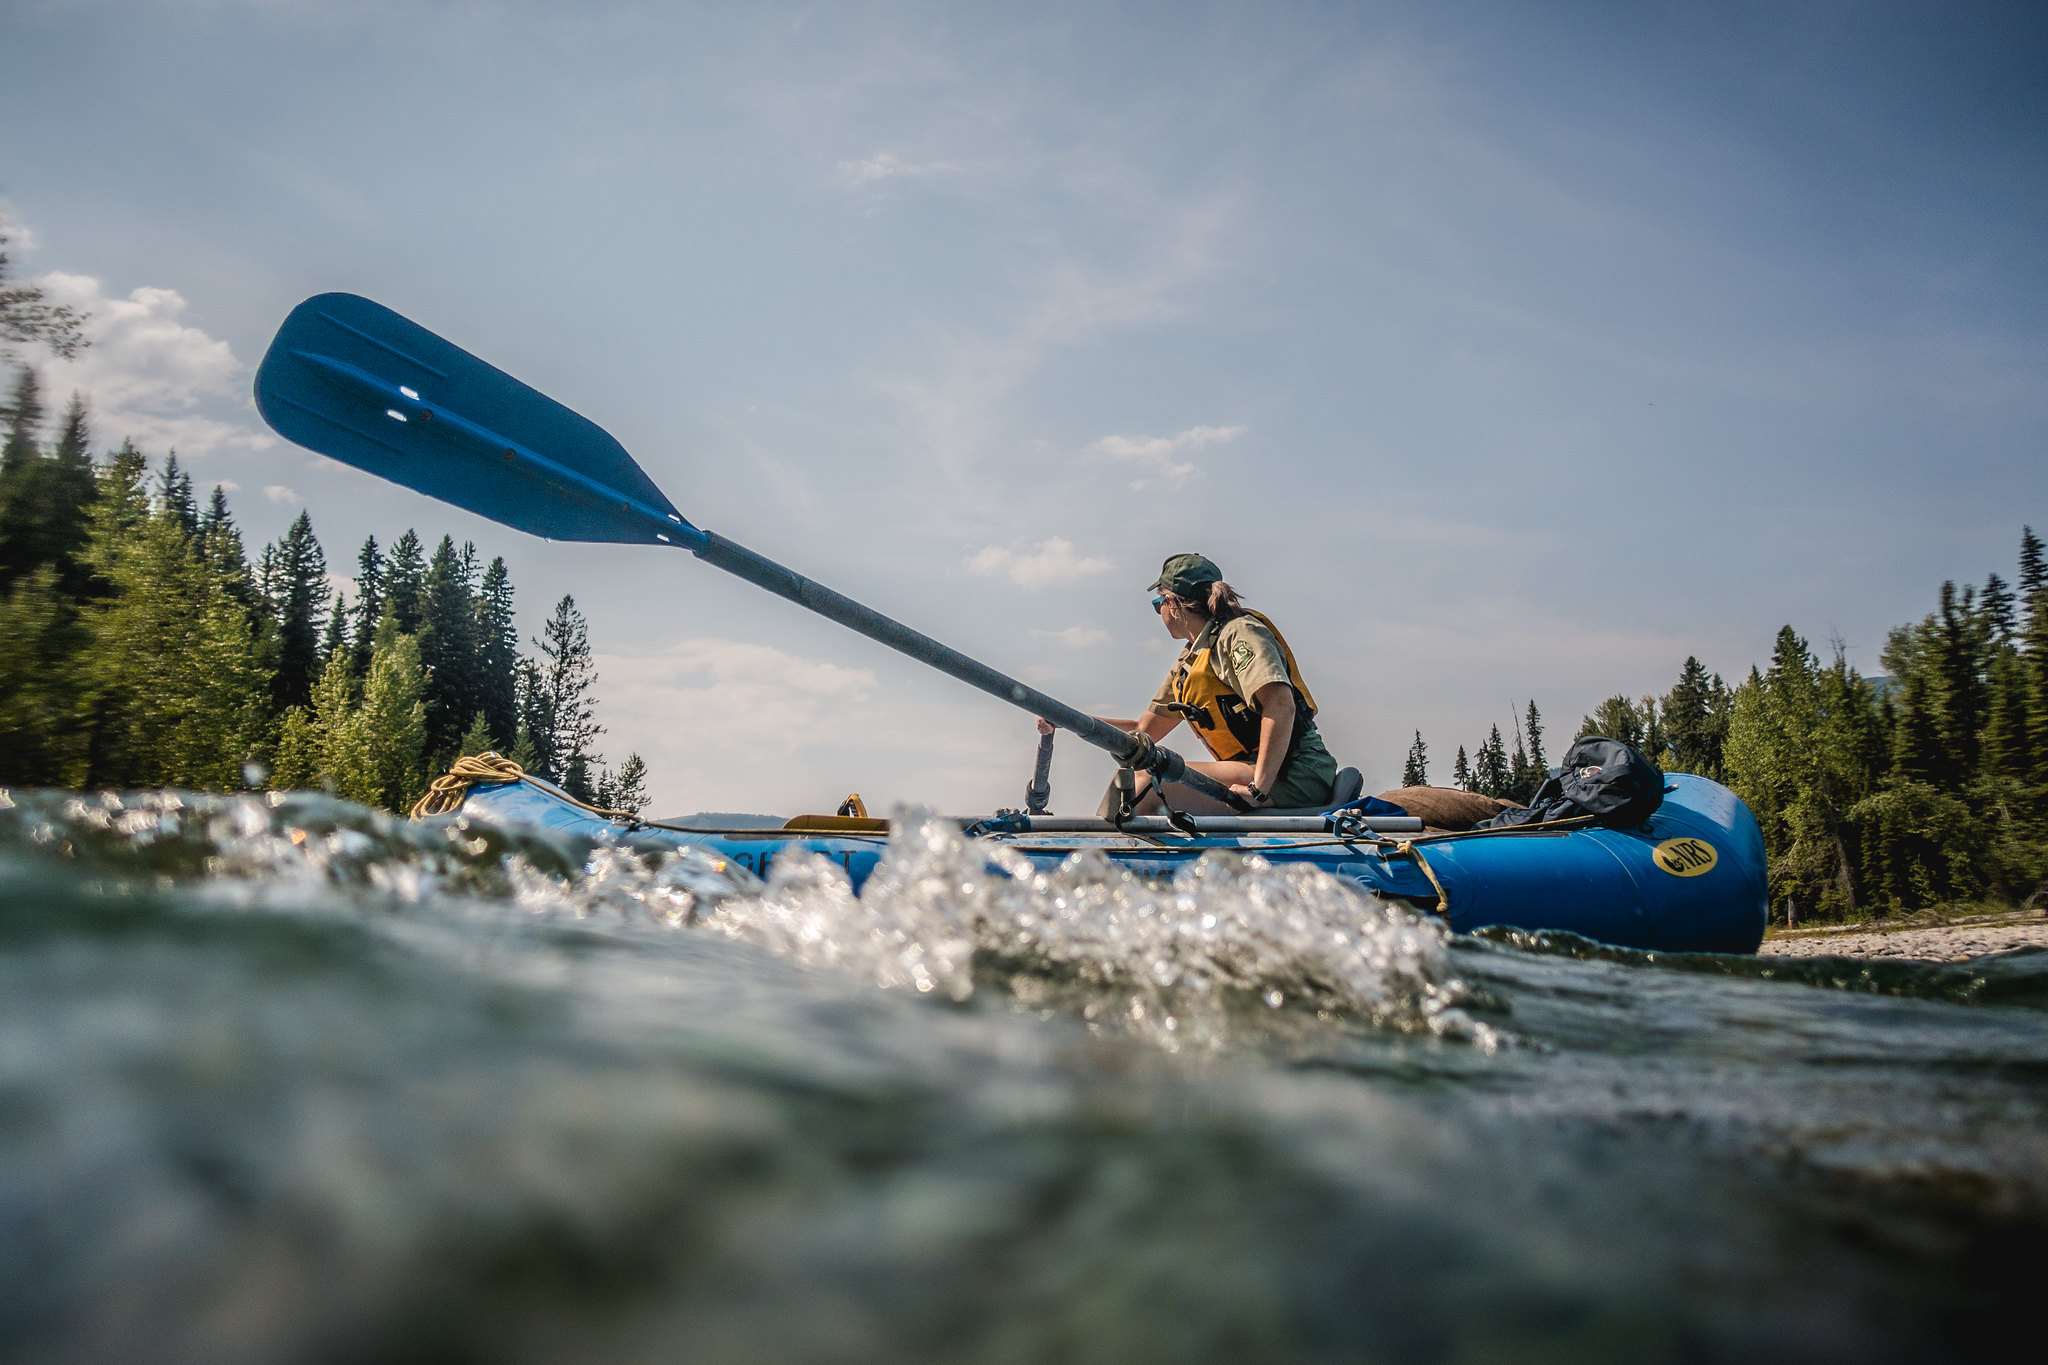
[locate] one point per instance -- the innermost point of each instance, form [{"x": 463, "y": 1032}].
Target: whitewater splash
[
  {"x": 289, "y": 1080},
  {"x": 1177, "y": 958}
]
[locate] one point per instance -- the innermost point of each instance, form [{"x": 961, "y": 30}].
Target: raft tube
[{"x": 1689, "y": 880}]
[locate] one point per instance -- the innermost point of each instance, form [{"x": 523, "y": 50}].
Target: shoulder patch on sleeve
[{"x": 1241, "y": 655}]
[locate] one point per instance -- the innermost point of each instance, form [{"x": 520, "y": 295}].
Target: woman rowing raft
[{"x": 1237, "y": 686}]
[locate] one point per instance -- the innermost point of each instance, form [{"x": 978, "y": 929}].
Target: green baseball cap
[{"x": 1186, "y": 575}]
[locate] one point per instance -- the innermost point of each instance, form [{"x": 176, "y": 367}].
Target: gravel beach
[{"x": 1955, "y": 941}]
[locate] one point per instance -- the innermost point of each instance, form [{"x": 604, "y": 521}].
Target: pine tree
[
  {"x": 1492, "y": 771},
  {"x": 74, "y": 438},
  {"x": 2033, "y": 566},
  {"x": 532, "y": 748},
  {"x": 394, "y": 720},
  {"x": 269, "y": 579},
  {"x": 340, "y": 738},
  {"x": 1997, "y": 606},
  {"x": 218, "y": 689},
  {"x": 298, "y": 595},
  {"x": 1651, "y": 719},
  {"x": 497, "y": 667},
  {"x": 476, "y": 739},
  {"x": 174, "y": 495},
  {"x": 369, "y": 604},
  {"x": 20, "y": 460},
  {"x": 1916, "y": 726},
  {"x": 523, "y": 753},
  {"x": 167, "y": 674},
  {"x": 1414, "y": 773},
  {"x": 43, "y": 502},
  {"x": 1524, "y": 776},
  {"x": 1533, "y": 726},
  {"x": 1960, "y": 647},
  {"x": 448, "y": 648},
  {"x": 111, "y": 652},
  {"x": 1461, "y": 771},
  {"x": 563, "y": 709},
  {"x": 296, "y": 766},
  {"x": 1695, "y": 730},
  {"x": 68, "y": 488},
  {"x": 628, "y": 789},
  {"x": 405, "y": 580},
  {"x": 220, "y": 548},
  {"x": 39, "y": 638},
  {"x": 334, "y": 636},
  {"x": 2033, "y": 646},
  {"x": 24, "y": 423},
  {"x": 118, "y": 509},
  {"x": 2006, "y": 753}
]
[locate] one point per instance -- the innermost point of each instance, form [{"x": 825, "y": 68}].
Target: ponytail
[{"x": 1220, "y": 605}]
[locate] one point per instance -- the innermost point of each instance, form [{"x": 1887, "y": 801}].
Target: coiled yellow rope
[{"x": 444, "y": 794}]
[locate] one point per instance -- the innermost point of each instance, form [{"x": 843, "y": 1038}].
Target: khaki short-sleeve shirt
[{"x": 1247, "y": 658}]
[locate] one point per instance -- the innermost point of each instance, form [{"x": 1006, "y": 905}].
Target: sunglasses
[{"x": 1157, "y": 603}]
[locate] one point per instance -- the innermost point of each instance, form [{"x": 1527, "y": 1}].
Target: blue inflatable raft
[{"x": 1691, "y": 879}]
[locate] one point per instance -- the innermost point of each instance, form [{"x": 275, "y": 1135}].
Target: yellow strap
[
  {"x": 835, "y": 824},
  {"x": 446, "y": 792}
]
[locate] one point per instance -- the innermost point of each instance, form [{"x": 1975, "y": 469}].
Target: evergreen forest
[
  {"x": 1925, "y": 786},
  {"x": 140, "y": 646}
]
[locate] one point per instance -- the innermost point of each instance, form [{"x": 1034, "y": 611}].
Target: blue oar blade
[{"x": 355, "y": 381}]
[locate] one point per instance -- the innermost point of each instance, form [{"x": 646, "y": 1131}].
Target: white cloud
[
  {"x": 281, "y": 495},
  {"x": 1074, "y": 637},
  {"x": 150, "y": 376},
  {"x": 1162, "y": 454},
  {"x": 883, "y": 166},
  {"x": 1050, "y": 562}
]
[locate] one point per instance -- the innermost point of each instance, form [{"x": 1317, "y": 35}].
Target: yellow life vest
[{"x": 1227, "y": 724}]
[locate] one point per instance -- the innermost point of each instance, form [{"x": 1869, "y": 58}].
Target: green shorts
[{"x": 1309, "y": 777}]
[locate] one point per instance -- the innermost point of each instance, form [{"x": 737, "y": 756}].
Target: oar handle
[
  {"x": 1038, "y": 791},
  {"x": 1127, "y": 748}
]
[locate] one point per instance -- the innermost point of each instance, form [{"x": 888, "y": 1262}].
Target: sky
[{"x": 1499, "y": 352}]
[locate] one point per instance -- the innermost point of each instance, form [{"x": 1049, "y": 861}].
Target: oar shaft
[{"x": 762, "y": 572}]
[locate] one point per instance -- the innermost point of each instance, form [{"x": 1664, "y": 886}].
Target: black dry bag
[{"x": 1613, "y": 782}]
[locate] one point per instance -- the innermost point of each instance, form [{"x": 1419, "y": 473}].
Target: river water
[{"x": 284, "y": 1079}]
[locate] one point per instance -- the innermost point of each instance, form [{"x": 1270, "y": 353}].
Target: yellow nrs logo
[{"x": 1687, "y": 857}]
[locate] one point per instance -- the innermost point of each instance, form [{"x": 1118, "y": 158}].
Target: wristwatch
[{"x": 1259, "y": 795}]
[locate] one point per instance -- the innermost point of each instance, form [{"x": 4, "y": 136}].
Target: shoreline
[{"x": 1956, "y": 940}]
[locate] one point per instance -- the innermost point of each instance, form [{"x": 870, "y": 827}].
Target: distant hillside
[{"x": 722, "y": 819}]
